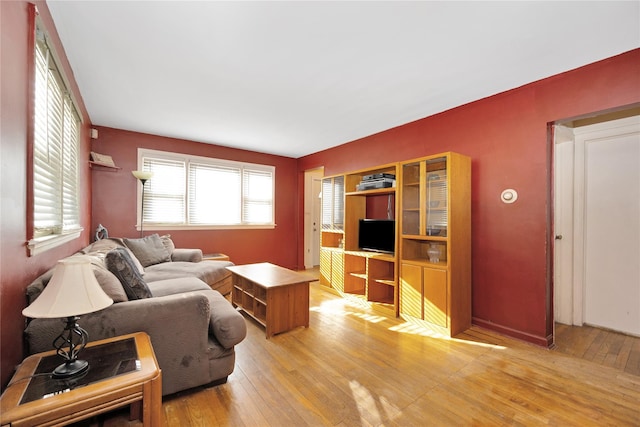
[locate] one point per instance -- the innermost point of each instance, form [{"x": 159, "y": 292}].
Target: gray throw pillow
[
  {"x": 122, "y": 266},
  {"x": 107, "y": 281},
  {"x": 149, "y": 250},
  {"x": 168, "y": 243}
]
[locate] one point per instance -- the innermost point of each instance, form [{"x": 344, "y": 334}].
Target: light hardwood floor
[
  {"x": 356, "y": 367},
  {"x": 600, "y": 346}
]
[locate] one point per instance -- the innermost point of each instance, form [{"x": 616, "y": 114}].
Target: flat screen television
[{"x": 377, "y": 235}]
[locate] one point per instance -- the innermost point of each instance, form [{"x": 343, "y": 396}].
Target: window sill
[
  {"x": 158, "y": 227},
  {"x": 43, "y": 244}
]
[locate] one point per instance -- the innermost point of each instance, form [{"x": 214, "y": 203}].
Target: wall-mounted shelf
[{"x": 98, "y": 165}]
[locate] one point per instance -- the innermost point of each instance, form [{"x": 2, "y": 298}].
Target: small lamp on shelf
[
  {"x": 143, "y": 177},
  {"x": 72, "y": 291}
]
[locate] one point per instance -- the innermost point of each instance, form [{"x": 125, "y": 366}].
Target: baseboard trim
[{"x": 514, "y": 333}]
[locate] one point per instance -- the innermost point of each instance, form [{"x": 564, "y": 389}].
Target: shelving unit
[
  {"x": 251, "y": 298},
  {"x": 429, "y": 274},
  {"x": 343, "y": 265},
  {"x": 435, "y": 241}
]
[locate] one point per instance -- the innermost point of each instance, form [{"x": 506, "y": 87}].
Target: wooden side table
[
  {"x": 278, "y": 298},
  {"x": 215, "y": 257},
  {"x": 122, "y": 371}
]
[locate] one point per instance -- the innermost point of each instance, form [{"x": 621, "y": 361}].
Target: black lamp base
[{"x": 70, "y": 369}]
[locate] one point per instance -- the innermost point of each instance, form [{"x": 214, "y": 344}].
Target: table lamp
[
  {"x": 143, "y": 177},
  {"x": 72, "y": 291}
]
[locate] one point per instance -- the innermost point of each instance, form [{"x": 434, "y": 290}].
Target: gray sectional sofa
[{"x": 193, "y": 327}]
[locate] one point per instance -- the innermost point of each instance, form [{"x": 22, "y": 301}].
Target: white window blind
[
  {"x": 199, "y": 192},
  {"x": 208, "y": 186},
  {"x": 56, "y": 206},
  {"x": 257, "y": 196},
  {"x": 164, "y": 198}
]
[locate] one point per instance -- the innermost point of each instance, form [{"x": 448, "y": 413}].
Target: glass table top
[{"x": 105, "y": 361}]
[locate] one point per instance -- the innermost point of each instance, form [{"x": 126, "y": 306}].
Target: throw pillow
[
  {"x": 101, "y": 247},
  {"x": 168, "y": 243},
  {"x": 107, "y": 281},
  {"x": 122, "y": 266},
  {"x": 149, "y": 250},
  {"x": 110, "y": 284}
]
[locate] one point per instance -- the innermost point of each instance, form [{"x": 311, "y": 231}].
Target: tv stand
[{"x": 344, "y": 267}]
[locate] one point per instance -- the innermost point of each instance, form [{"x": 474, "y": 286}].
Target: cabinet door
[
  {"x": 325, "y": 267},
  {"x": 435, "y": 296},
  {"x": 337, "y": 271},
  {"x": 327, "y": 203},
  {"x": 411, "y": 198},
  {"x": 411, "y": 290},
  {"x": 436, "y": 203},
  {"x": 338, "y": 203},
  {"x": 333, "y": 203}
]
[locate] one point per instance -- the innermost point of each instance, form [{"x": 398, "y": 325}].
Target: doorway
[
  {"x": 312, "y": 206},
  {"x": 597, "y": 224}
]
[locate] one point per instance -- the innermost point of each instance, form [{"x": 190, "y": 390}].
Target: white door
[
  {"x": 563, "y": 225},
  {"x": 312, "y": 183},
  {"x": 597, "y": 213},
  {"x": 612, "y": 231}
]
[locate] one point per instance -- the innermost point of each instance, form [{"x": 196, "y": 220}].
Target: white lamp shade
[
  {"x": 73, "y": 290},
  {"x": 142, "y": 175}
]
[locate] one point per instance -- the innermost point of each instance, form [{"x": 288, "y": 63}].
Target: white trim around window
[
  {"x": 56, "y": 147},
  {"x": 189, "y": 192}
]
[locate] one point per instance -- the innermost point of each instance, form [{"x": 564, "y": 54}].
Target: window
[
  {"x": 200, "y": 192},
  {"x": 56, "y": 130}
]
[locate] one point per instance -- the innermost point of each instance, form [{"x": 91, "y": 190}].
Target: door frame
[{"x": 569, "y": 295}]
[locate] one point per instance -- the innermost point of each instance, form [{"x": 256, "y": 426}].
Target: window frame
[
  {"x": 200, "y": 160},
  {"x": 58, "y": 234}
]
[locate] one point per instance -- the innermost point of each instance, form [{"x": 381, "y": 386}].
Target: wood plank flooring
[
  {"x": 356, "y": 367},
  {"x": 601, "y": 346}
]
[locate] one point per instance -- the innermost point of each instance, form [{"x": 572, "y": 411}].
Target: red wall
[
  {"x": 507, "y": 138},
  {"x": 114, "y": 199},
  {"x": 17, "y": 269}
]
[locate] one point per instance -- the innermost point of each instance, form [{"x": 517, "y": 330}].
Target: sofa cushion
[
  {"x": 119, "y": 262},
  {"x": 209, "y": 272},
  {"x": 179, "y": 285},
  {"x": 149, "y": 250}
]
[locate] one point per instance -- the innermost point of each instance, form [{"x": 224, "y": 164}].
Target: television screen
[{"x": 377, "y": 235}]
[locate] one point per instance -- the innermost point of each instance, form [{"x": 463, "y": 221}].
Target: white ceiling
[{"x": 294, "y": 78}]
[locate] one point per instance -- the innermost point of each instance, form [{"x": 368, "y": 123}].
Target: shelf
[
  {"x": 359, "y": 274},
  {"x": 386, "y": 281},
  {"x": 113, "y": 168},
  {"x": 372, "y": 255},
  {"x": 425, "y": 238},
  {"x": 424, "y": 262},
  {"x": 388, "y": 190}
]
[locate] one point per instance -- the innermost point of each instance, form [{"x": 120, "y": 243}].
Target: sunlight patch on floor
[
  {"x": 340, "y": 306},
  {"x": 369, "y": 408},
  {"x": 421, "y": 328}
]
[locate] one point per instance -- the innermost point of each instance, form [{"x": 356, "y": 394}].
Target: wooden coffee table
[
  {"x": 122, "y": 371},
  {"x": 278, "y": 298}
]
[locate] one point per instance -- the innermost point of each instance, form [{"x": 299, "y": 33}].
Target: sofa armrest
[
  {"x": 227, "y": 324},
  {"x": 188, "y": 255}
]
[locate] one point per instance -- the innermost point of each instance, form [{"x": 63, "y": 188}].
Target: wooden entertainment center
[{"x": 428, "y": 275}]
